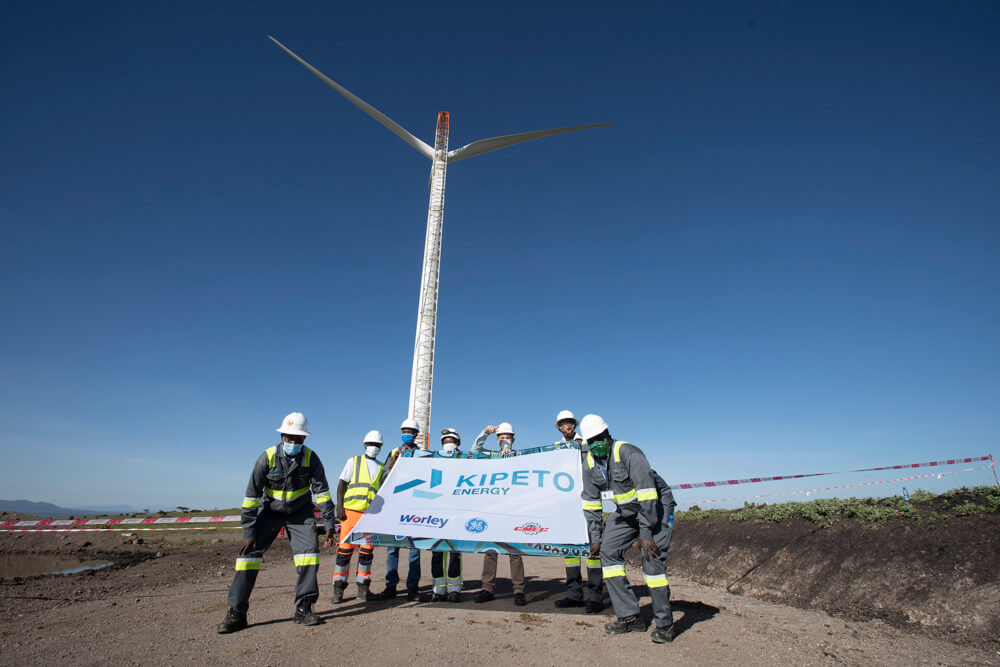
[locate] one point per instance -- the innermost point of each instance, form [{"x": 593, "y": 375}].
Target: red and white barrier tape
[
  {"x": 753, "y": 480},
  {"x": 109, "y": 530},
  {"x": 808, "y": 492},
  {"x": 48, "y": 525},
  {"x": 121, "y": 522}
]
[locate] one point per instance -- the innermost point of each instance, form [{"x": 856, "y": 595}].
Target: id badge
[{"x": 607, "y": 495}]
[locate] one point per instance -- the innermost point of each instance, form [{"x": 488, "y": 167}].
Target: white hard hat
[
  {"x": 451, "y": 433},
  {"x": 565, "y": 414},
  {"x": 592, "y": 426},
  {"x": 409, "y": 422},
  {"x": 505, "y": 427},
  {"x": 372, "y": 438},
  {"x": 294, "y": 423}
]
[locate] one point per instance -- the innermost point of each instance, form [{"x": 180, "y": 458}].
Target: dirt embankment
[{"x": 941, "y": 578}]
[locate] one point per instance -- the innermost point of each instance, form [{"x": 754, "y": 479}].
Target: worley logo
[
  {"x": 420, "y": 493},
  {"x": 417, "y": 520}
]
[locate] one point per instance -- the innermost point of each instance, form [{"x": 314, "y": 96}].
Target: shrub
[{"x": 920, "y": 495}]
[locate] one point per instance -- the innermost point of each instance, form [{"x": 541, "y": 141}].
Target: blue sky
[{"x": 781, "y": 258}]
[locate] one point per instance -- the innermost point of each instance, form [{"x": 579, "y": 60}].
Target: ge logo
[{"x": 475, "y": 525}]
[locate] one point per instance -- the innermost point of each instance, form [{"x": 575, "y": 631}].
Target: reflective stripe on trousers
[
  {"x": 452, "y": 583},
  {"x": 301, "y": 528},
  {"x": 574, "y": 579},
  {"x": 619, "y": 534},
  {"x": 363, "y": 573}
]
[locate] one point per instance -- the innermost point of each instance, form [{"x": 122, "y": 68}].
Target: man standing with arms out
[
  {"x": 566, "y": 424},
  {"x": 447, "y": 587},
  {"x": 505, "y": 438},
  {"x": 644, "y": 514},
  {"x": 359, "y": 482},
  {"x": 278, "y": 495},
  {"x": 409, "y": 430}
]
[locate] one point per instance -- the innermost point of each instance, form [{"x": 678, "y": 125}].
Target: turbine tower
[{"x": 422, "y": 375}]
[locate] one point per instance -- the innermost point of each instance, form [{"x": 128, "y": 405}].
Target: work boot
[
  {"x": 388, "y": 594},
  {"x": 338, "y": 592},
  {"x": 623, "y": 625},
  {"x": 484, "y": 596},
  {"x": 565, "y": 603},
  {"x": 452, "y": 596},
  {"x": 663, "y": 635},
  {"x": 304, "y": 615},
  {"x": 520, "y": 600},
  {"x": 412, "y": 593},
  {"x": 433, "y": 597},
  {"x": 594, "y": 607},
  {"x": 234, "y": 622},
  {"x": 364, "y": 594}
]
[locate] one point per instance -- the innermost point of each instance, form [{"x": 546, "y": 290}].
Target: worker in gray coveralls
[
  {"x": 618, "y": 471},
  {"x": 280, "y": 494}
]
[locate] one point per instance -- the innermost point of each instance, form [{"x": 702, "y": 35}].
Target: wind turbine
[{"x": 422, "y": 375}]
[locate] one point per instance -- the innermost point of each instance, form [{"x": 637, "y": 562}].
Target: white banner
[{"x": 532, "y": 498}]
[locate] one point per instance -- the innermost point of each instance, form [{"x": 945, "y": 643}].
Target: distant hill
[
  {"x": 117, "y": 509},
  {"x": 51, "y": 511}
]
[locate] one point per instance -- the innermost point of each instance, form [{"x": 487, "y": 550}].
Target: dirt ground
[{"x": 161, "y": 604}]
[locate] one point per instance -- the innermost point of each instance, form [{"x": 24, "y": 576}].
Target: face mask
[
  {"x": 506, "y": 444},
  {"x": 371, "y": 451},
  {"x": 449, "y": 447},
  {"x": 291, "y": 449},
  {"x": 600, "y": 448},
  {"x": 408, "y": 438}
]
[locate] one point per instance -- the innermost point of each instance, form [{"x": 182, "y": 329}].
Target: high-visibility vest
[
  {"x": 627, "y": 492},
  {"x": 303, "y": 473},
  {"x": 361, "y": 489}
]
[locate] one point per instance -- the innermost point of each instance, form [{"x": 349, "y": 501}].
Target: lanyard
[{"x": 604, "y": 470}]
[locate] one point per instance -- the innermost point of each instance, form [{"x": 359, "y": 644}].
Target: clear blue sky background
[{"x": 782, "y": 258}]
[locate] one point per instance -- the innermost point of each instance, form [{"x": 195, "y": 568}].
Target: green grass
[
  {"x": 921, "y": 506},
  {"x": 695, "y": 513}
]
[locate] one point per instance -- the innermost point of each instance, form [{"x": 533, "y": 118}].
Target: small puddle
[{"x": 30, "y": 565}]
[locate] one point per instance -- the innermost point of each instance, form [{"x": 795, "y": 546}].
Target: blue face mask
[
  {"x": 408, "y": 438},
  {"x": 290, "y": 449}
]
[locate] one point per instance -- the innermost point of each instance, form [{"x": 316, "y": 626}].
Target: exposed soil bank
[{"x": 939, "y": 577}]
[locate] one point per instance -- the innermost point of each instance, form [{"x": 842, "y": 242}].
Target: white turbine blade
[
  {"x": 487, "y": 145},
  {"x": 389, "y": 123}
]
